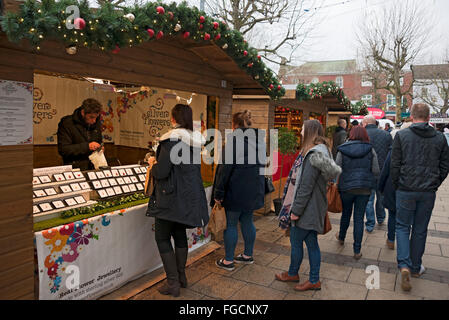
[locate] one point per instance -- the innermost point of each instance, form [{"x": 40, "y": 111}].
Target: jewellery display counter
[{"x": 91, "y": 232}]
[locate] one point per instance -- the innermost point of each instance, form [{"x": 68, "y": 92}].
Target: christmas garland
[
  {"x": 110, "y": 29},
  {"x": 320, "y": 90}
]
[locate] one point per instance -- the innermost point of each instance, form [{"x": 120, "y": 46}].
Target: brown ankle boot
[
  {"x": 308, "y": 286},
  {"x": 286, "y": 278}
]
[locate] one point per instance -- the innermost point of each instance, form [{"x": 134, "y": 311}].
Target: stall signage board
[
  {"x": 90, "y": 258},
  {"x": 16, "y": 113}
]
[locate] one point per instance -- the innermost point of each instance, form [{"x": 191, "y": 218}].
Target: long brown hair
[
  {"x": 242, "y": 119},
  {"x": 313, "y": 135}
]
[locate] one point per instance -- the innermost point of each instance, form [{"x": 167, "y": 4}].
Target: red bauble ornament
[
  {"x": 202, "y": 19},
  {"x": 160, "y": 10},
  {"x": 259, "y": 57},
  {"x": 206, "y": 36},
  {"x": 159, "y": 35},
  {"x": 79, "y": 23},
  {"x": 279, "y": 87},
  {"x": 201, "y": 27},
  {"x": 271, "y": 86},
  {"x": 150, "y": 32},
  {"x": 217, "y": 37},
  {"x": 245, "y": 53},
  {"x": 186, "y": 35},
  {"x": 216, "y": 25},
  {"x": 116, "y": 50},
  {"x": 170, "y": 15}
]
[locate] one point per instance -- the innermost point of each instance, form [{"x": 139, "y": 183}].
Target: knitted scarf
[{"x": 289, "y": 190}]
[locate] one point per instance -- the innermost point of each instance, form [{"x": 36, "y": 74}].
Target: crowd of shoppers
[{"x": 399, "y": 170}]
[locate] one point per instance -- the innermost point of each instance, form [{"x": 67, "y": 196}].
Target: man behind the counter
[{"x": 79, "y": 135}]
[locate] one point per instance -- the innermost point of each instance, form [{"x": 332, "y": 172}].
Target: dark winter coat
[
  {"x": 360, "y": 166},
  {"x": 420, "y": 159},
  {"x": 310, "y": 202},
  {"x": 74, "y": 136},
  {"x": 385, "y": 186},
  {"x": 338, "y": 139},
  {"x": 381, "y": 141},
  {"x": 240, "y": 184},
  {"x": 179, "y": 192}
]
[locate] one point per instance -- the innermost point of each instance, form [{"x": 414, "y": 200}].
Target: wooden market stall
[{"x": 201, "y": 63}]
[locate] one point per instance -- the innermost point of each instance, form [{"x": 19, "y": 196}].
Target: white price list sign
[{"x": 16, "y": 113}]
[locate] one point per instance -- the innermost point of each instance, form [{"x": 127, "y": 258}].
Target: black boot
[
  {"x": 173, "y": 285},
  {"x": 181, "y": 260}
]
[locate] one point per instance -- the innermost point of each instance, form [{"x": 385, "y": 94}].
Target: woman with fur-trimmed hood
[
  {"x": 308, "y": 206},
  {"x": 178, "y": 201}
]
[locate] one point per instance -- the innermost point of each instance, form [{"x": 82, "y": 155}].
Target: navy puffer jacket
[{"x": 357, "y": 159}]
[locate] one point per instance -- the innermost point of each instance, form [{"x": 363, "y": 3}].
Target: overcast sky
[{"x": 334, "y": 36}]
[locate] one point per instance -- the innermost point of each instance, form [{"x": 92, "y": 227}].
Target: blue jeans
[
  {"x": 413, "y": 211},
  {"x": 310, "y": 237},
  {"x": 380, "y": 210},
  {"x": 391, "y": 225},
  {"x": 230, "y": 235},
  {"x": 358, "y": 201}
]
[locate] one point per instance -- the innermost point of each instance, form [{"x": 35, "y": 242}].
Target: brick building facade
[{"x": 347, "y": 75}]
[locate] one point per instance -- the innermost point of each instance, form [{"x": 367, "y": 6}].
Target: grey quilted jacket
[{"x": 310, "y": 202}]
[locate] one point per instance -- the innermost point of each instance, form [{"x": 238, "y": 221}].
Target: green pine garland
[
  {"x": 326, "y": 88},
  {"x": 107, "y": 28}
]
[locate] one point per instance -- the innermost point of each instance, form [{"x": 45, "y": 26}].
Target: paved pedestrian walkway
[{"x": 342, "y": 277}]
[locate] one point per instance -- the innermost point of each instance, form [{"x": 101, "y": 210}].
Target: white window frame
[
  {"x": 338, "y": 80},
  {"x": 401, "y": 81},
  {"x": 393, "y": 99},
  {"x": 365, "y": 99},
  {"x": 365, "y": 82}
]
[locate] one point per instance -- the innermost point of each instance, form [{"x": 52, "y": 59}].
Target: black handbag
[{"x": 269, "y": 187}]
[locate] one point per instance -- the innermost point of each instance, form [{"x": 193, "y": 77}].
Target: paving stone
[
  {"x": 375, "y": 242},
  {"x": 268, "y": 236},
  {"x": 389, "y": 295},
  {"x": 284, "y": 241},
  {"x": 439, "y": 219},
  {"x": 331, "y": 246},
  {"x": 153, "y": 294},
  {"x": 196, "y": 272},
  {"x": 445, "y": 250},
  {"x": 433, "y": 249},
  {"x": 257, "y": 274},
  {"x": 435, "y": 262},
  {"x": 208, "y": 264},
  {"x": 263, "y": 258},
  {"x": 338, "y": 290},
  {"x": 282, "y": 263},
  {"x": 425, "y": 288},
  {"x": 263, "y": 245},
  {"x": 368, "y": 252},
  {"x": 281, "y": 250},
  {"x": 442, "y": 226},
  {"x": 334, "y": 272},
  {"x": 218, "y": 286},
  {"x": 288, "y": 287},
  {"x": 267, "y": 223},
  {"x": 386, "y": 280},
  {"x": 256, "y": 292},
  {"x": 431, "y": 226},
  {"x": 209, "y": 298},
  {"x": 437, "y": 240},
  {"x": 388, "y": 255}
]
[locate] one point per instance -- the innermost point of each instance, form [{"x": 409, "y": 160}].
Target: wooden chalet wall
[{"x": 165, "y": 64}]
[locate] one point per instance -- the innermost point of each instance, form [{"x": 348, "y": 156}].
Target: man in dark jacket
[
  {"x": 339, "y": 136},
  {"x": 79, "y": 135},
  {"x": 419, "y": 165},
  {"x": 385, "y": 187},
  {"x": 381, "y": 141}
]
